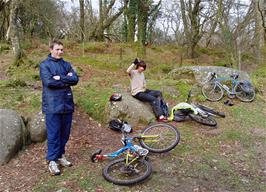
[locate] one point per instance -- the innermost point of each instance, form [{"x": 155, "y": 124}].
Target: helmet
[{"x": 115, "y": 97}]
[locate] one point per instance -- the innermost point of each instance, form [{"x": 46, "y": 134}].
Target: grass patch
[
  {"x": 22, "y": 99},
  {"x": 93, "y": 101},
  {"x": 4, "y": 47},
  {"x": 242, "y": 113},
  {"x": 108, "y": 62},
  {"x": 259, "y": 78},
  {"x": 94, "y": 47}
]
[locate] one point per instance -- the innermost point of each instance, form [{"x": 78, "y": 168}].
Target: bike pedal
[{"x": 95, "y": 154}]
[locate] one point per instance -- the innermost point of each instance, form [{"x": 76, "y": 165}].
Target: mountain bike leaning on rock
[
  {"x": 134, "y": 166},
  {"x": 213, "y": 89}
]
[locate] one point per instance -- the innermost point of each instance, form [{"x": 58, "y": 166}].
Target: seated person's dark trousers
[{"x": 154, "y": 98}]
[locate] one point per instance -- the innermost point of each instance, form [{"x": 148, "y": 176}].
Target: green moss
[
  {"x": 184, "y": 88},
  {"x": 4, "y": 47},
  {"x": 93, "y": 100}
]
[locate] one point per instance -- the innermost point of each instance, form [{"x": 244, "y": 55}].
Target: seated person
[{"x": 139, "y": 90}]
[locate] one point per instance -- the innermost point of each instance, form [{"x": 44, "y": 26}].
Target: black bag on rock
[
  {"x": 165, "y": 109},
  {"x": 119, "y": 125}
]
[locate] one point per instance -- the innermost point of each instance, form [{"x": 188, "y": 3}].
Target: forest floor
[{"x": 187, "y": 173}]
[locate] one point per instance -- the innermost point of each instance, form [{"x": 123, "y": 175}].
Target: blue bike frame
[{"x": 128, "y": 146}]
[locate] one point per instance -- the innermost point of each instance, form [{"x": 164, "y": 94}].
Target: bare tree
[
  {"x": 131, "y": 17},
  {"x": 4, "y": 17},
  {"x": 260, "y": 30},
  {"x": 82, "y": 19},
  {"x": 193, "y": 22},
  {"x": 13, "y": 31},
  {"x": 106, "y": 18}
]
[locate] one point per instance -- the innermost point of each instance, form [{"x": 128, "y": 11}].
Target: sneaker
[
  {"x": 229, "y": 102},
  {"x": 64, "y": 162},
  {"x": 53, "y": 168},
  {"x": 162, "y": 119}
]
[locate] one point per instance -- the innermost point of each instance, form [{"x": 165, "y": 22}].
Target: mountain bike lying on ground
[
  {"x": 197, "y": 112},
  {"x": 134, "y": 166},
  {"x": 214, "y": 89}
]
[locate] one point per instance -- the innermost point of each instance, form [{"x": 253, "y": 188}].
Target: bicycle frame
[
  {"x": 218, "y": 81},
  {"x": 200, "y": 111},
  {"x": 129, "y": 149}
]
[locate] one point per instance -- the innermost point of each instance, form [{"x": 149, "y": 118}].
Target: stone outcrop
[
  {"x": 13, "y": 134},
  {"x": 199, "y": 73},
  {"x": 37, "y": 129},
  {"x": 129, "y": 109}
]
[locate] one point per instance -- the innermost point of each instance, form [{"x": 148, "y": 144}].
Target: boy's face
[
  {"x": 140, "y": 69},
  {"x": 57, "y": 51}
]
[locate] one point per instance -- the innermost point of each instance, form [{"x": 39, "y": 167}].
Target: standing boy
[{"x": 57, "y": 78}]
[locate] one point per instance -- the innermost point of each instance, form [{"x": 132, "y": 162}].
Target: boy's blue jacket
[{"x": 57, "y": 95}]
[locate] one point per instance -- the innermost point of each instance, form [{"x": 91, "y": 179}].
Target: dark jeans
[
  {"x": 58, "y": 131},
  {"x": 154, "y": 98}
]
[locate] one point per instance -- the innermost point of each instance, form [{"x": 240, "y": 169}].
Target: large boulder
[
  {"x": 36, "y": 127},
  {"x": 13, "y": 134},
  {"x": 131, "y": 110},
  {"x": 199, "y": 73}
]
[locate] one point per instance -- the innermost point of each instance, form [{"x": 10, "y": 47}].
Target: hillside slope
[{"x": 230, "y": 157}]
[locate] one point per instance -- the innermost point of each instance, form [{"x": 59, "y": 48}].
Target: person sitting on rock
[{"x": 139, "y": 90}]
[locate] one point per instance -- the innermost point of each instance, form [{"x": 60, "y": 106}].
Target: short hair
[
  {"x": 54, "y": 42},
  {"x": 141, "y": 63}
]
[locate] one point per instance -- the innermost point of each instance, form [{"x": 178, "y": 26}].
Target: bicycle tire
[
  {"x": 169, "y": 137},
  {"x": 210, "y": 110},
  {"x": 203, "y": 120},
  {"x": 242, "y": 95},
  {"x": 212, "y": 92},
  {"x": 124, "y": 174}
]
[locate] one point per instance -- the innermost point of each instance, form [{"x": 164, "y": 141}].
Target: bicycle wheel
[
  {"x": 242, "y": 95},
  {"x": 203, "y": 120},
  {"x": 210, "y": 110},
  {"x": 168, "y": 137},
  {"x": 118, "y": 173},
  {"x": 212, "y": 91}
]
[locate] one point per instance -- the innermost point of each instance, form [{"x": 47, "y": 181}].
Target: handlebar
[{"x": 211, "y": 76}]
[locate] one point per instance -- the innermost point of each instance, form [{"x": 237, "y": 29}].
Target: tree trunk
[
  {"x": 100, "y": 30},
  {"x": 192, "y": 31},
  {"x": 13, "y": 32},
  {"x": 227, "y": 36},
  {"x": 184, "y": 19},
  {"x": 131, "y": 16},
  {"x": 153, "y": 15},
  {"x": 143, "y": 9},
  {"x": 82, "y": 20},
  {"x": 125, "y": 28},
  {"x": 105, "y": 19},
  {"x": 259, "y": 33}
]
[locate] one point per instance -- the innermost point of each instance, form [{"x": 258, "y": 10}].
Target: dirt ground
[{"x": 23, "y": 172}]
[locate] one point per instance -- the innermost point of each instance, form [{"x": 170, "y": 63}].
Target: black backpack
[
  {"x": 165, "y": 109},
  {"x": 118, "y": 125},
  {"x": 246, "y": 86}
]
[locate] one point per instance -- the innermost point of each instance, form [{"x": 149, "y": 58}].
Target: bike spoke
[{"x": 168, "y": 138}]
